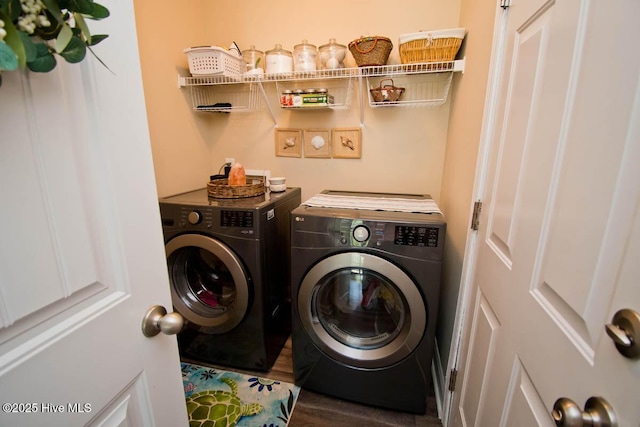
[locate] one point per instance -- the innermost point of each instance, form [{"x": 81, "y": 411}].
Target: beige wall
[{"x": 180, "y": 153}]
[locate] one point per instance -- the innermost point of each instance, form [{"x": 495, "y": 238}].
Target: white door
[
  {"x": 81, "y": 248},
  {"x": 559, "y": 240}
]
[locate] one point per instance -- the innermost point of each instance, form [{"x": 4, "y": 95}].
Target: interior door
[
  {"x": 81, "y": 248},
  {"x": 560, "y": 228}
]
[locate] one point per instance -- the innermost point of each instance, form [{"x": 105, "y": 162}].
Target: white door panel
[
  {"x": 81, "y": 248},
  {"x": 482, "y": 349},
  {"x": 52, "y": 254},
  {"x": 523, "y": 405},
  {"x": 557, "y": 234}
]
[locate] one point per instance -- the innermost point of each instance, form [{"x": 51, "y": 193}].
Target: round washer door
[
  {"x": 362, "y": 310},
  {"x": 209, "y": 286}
]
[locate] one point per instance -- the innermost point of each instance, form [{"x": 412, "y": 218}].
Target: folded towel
[{"x": 391, "y": 204}]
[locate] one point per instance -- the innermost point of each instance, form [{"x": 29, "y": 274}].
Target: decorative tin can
[
  {"x": 286, "y": 98},
  {"x": 297, "y": 98}
]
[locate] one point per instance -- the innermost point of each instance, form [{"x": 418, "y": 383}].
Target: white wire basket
[
  {"x": 227, "y": 98},
  {"x": 214, "y": 61},
  {"x": 427, "y": 90}
]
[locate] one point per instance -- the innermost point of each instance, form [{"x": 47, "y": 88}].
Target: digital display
[
  {"x": 242, "y": 219},
  {"x": 416, "y": 236}
]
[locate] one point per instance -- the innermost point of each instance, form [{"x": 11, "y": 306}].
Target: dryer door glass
[
  {"x": 209, "y": 286},
  {"x": 360, "y": 308},
  {"x": 205, "y": 279}
]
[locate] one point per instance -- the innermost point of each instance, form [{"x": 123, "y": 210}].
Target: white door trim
[{"x": 461, "y": 326}]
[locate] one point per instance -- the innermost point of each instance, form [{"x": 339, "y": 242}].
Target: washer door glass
[
  {"x": 362, "y": 310},
  {"x": 208, "y": 284}
]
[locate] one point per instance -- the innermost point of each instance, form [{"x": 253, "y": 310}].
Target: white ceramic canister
[
  {"x": 304, "y": 57},
  {"x": 279, "y": 60}
]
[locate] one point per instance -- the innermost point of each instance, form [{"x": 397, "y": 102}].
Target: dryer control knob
[
  {"x": 361, "y": 233},
  {"x": 194, "y": 217}
]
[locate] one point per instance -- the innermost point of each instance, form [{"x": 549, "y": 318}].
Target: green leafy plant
[{"x": 33, "y": 32}]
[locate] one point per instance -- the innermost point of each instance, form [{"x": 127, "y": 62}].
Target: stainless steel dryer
[
  {"x": 365, "y": 290},
  {"x": 228, "y": 262}
]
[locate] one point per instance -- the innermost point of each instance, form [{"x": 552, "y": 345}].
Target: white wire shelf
[
  {"x": 409, "y": 69},
  {"x": 342, "y": 73},
  {"x": 245, "y": 93},
  {"x": 280, "y": 77}
]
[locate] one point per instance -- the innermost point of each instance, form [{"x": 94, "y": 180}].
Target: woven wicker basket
[
  {"x": 387, "y": 92},
  {"x": 369, "y": 51},
  {"x": 220, "y": 189},
  {"x": 434, "y": 46}
]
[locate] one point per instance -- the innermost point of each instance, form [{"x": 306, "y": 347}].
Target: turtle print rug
[{"x": 216, "y": 397}]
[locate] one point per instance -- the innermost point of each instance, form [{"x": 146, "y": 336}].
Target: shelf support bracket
[
  {"x": 266, "y": 101},
  {"x": 361, "y": 101}
]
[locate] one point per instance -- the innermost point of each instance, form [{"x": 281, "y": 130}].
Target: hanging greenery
[{"x": 33, "y": 32}]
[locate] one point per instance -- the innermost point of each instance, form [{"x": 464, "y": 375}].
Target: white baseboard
[{"x": 438, "y": 377}]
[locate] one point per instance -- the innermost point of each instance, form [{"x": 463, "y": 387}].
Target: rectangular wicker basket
[
  {"x": 220, "y": 189},
  {"x": 430, "y": 46}
]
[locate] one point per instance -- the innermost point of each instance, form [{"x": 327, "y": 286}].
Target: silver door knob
[
  {"x": 157, "y": 320},
  {"x": 597, "y": 413},
  {"x": 624, "y": 330}
]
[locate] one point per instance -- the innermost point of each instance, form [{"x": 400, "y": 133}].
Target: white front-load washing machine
[{"x": 365, "y": 290}]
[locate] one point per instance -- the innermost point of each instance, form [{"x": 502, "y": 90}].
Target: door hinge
[
  {"x": 505, "y": 3},
  {"x": 475, "y": 218},
  {"x": 452, "y": 379}
]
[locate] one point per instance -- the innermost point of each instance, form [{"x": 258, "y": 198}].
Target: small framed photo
[
  {"x": 317, "y": 143},
  {"x": 347, "y": 143},
  {"x": 289, "y": 142}
]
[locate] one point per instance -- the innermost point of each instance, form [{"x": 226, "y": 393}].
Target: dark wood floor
[{"x": 317, "y": 410}]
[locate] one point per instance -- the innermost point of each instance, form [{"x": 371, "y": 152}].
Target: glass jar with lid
[
  {"x": 279, "y": 60},
  {"x": 254, "y": 60},
  {"x": 304, "y": 56},
  {"x": 332, "y": 55}
]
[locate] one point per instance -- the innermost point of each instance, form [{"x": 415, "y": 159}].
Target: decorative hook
[{"x": 346, "y": 142}]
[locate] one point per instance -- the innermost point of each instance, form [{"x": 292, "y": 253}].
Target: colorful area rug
[{"x": 216, "y": 397}]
